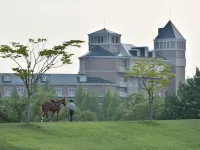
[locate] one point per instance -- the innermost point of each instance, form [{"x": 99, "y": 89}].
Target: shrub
[{"x": 88, "y": 116}]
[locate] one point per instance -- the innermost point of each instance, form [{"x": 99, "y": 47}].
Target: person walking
[{"x": 71, "y": 106}]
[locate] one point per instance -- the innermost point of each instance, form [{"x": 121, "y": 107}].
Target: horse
[{"x": 52, "y": 105}]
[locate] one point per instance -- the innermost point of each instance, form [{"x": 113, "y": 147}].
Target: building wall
[
  {"x": 99, "y": 90},
  {"x": 178, "y": 62},
  {"x": 100, "y": 64},
  {"x": 110, "y": 76},
  {"x": 82, "y": 66}
]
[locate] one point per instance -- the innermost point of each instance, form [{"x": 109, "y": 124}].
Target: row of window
[
  {"x": 59, "y": 91},
  {"x": 172, "y": 44},
  {"x": 7, "y": 78},
  {"x": 103, "y": 39}
]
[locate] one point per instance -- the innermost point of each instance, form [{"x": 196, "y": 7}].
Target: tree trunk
[
  {"x": 28, "y": 109},
  {"x": 150, "y": 111}
]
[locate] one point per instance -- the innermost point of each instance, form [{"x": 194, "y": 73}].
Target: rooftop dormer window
[
  {"x": 7, "y": 78},
  {"x": 45, "y": 78},
  {"x": 83, "y": 78},
  {"x": 115, "y": 39},
  {"x": 100, "y": 39}
]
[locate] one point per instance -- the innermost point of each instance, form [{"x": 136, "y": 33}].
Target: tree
[
  {"x": 79, "y": 96},
  {"x": 172, "y": 107},
  {"x": 154, "y": 75},
  {"x": 85, "y": 102},
  {"x": 14, "y": 95},
  {"x": 189, "y": 96},
  {"x": 33, "y": 60},
  {"x": 94, "y": 106},
  {"x": 114, "y": 104},
  {"x": 106, "y": 105},
  {"x": 18, "y": 104}
]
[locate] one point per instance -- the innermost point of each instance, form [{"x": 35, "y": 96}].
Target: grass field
[{"x": 143, "y": 135}]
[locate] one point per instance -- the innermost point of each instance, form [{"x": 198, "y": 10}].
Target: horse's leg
[
  {"x": 46, "y": 113},
  {"x": 53, "y": 115},
  {"x": 42, "y": 114},
  {"x": 57, "y": 114}
]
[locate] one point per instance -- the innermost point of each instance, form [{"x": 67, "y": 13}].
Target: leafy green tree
[
  {"x": 14, "y": 95},
  {"x": 154, "y": 75},
  {"x": 49, "y": 88},
  {"x": 114, "y": 104},
  {"x": 133, "y": 99},
  {"x": 95, "y": 107},
  {"x": 173, "y": 107},
  {"x": 106, "y": 105},
  {"x": 79, "y": 96},
  {"x": 85, "y": 103},
  {"x": 190, "y": 97},
  {"x": 38, "y": 60},
  {"x": 17, "y": 103}
]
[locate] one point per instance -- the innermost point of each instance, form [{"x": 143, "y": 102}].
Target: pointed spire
[{"x": 169, "y": 32}]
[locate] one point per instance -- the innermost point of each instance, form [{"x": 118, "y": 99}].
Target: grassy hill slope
[{"x": 143, "y": 135}]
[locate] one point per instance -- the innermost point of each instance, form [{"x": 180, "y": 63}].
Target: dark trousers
[{"x": 71, "y": 112}]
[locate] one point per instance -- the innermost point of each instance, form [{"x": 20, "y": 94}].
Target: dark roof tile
[
  {"x": 99, "y": 51},
  {"x": 169, "y": 31}
]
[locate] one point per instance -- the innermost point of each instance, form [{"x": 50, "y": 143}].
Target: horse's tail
[{"x": 41, "y": 109}]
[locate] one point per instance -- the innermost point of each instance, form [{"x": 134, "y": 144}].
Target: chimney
[
  {"x": 146, "y": 51},
  {"x": 138, "y": 53},
  {"x": 153, "y": 54},
  {"x": 159, "y": 30}
]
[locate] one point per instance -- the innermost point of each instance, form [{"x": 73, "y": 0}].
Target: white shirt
[{"x": 71, "y": 106}]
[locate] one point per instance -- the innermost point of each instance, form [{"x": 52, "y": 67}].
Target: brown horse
[{"x": 53, "y": 106}]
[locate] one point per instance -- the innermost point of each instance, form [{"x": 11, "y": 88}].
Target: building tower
[
  {"x": 171, "y": 45},
  {"x": 105, "y": 38}
]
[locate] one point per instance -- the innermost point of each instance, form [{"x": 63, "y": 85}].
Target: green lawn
[{"x": 143, "y": 135}]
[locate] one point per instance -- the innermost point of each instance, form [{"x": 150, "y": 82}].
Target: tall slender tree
[{"x": 106, "y": 105}]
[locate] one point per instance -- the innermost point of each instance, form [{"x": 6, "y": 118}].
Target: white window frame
[
  {"x": 45, "y": 78},
  {"x": 6, "y": 78},
  {"x": 20, "y": 91},
  {"x": 7, "y": 93},
  {"x": 83, "y": 78},
  {"x": 85, "y": 90},
  {"x": 59, "y": 91},
  {"x": 71, "y": 92}
]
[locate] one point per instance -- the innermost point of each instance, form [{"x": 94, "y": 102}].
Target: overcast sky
[{"x": 59, "y": 20}]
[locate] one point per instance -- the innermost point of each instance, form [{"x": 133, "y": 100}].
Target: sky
[{"x": 61, "y": 20}]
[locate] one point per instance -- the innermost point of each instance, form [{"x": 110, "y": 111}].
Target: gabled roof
[
  {"x": 103, "y": 31},
  {"x": 99, "y": 51},
  {"x": 169, "y": 31}
]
